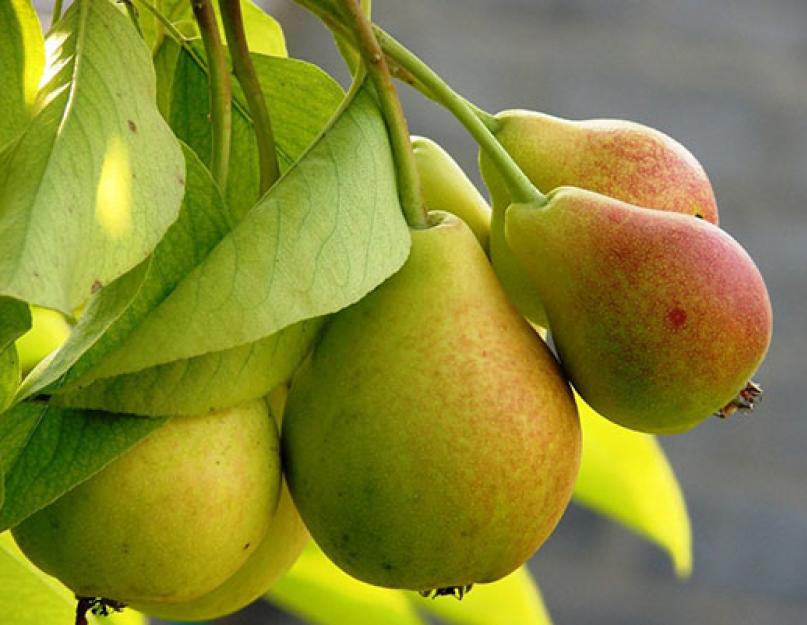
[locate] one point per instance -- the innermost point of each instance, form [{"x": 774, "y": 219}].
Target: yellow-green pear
[
  {"x": 431, "y": 440},
  {"x": 171, "y": 519},
  {"x": 445, "y": 187},
  {"x": 621, "y": 159},
  {"x": 281, "y": 546},
  {"x": 49, "y": 329}
]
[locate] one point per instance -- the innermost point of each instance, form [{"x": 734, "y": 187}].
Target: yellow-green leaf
[
  {"x": 22, "y": 57},
  {"x": 319, "y": 592},
  {"x": 512, "y": 600},
  {"x": 30, "y": 597},
  {"x": 626, "y": 476}
]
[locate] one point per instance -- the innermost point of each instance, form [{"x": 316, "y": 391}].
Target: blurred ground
[{"x": 728, "y": 78}]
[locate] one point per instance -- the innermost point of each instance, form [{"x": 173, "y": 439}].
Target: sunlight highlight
[{"x": 113, "y": 197}]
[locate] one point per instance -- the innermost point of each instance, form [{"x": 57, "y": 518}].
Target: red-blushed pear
[
  {"x": 624, "y": 160},
  {"x": 283, "y": 543},
  {"x": 431, "y": 441},
  {"x": 445, "y": 187},
  {"x": 659, "y": 319},
  {"x": 171, "y": 519}
]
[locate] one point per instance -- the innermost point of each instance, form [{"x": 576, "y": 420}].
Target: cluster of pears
[{"x": 430, "y": 441}]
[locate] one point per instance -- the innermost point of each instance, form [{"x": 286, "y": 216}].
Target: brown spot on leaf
[
  {"x": 132, "y": 126},
  {"x": 96, "y": 286}
]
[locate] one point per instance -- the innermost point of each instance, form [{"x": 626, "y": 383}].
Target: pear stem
[
  {"x": 244, "y": 71},
  {"x": 56, "y": 14},
  {"x": 409, "y": 192},
  {"x": 220, "y": 90},
  {"x": 416, "y": 73}
]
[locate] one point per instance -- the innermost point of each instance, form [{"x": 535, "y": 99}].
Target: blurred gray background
[{"x": 727, "y": 78}]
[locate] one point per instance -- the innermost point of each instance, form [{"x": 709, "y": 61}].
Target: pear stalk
[
  {"x": 408, "y": 181},
  {"x": 416, "y": 73},
  {"x": 244, "y": 71},
  {"x": 220, "y": 90}
]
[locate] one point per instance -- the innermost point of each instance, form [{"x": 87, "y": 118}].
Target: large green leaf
[
  {"x": 319, "y": 592},
  {"x": 203, "y": 221},
  {"x": 512, "y": 599},
  {"x": 263, "y": 32},
  {"x": 626, "y": 476},
  {"x": 46, "y": 451},
  {"x": 30, "y": 597},
  {"x": 22, "y": 57},
  {"x": 96, "y": 178},
  {"x": 300, "y": 98},
  {"x": 327, "y": 233}
]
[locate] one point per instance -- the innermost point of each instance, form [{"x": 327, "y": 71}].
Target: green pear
[
  {"x": 621, "y": 159},
  {"x": 659, "y": 319},
  {"x": 170, "y": 520},
  {"x": 49, "y": 330},
  {"x": 431, "y": 441},
  {"x": 283, "y": 543},
  {"x": 445, "y": 187}
]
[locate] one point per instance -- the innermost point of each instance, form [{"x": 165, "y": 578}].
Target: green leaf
[
  {"x": 626, "y": 476},
  {"x": 263, "y": 32},
  {"x": 46, "y": 451},
  {"x": 30, "y": 597},
  {"x": 512, "y": 599},
  {"x": 203, "y": 383},
  {"x": 22, "y": 57},
  {"x": 285, "y": 84},
  {"x": 319, "y": 592},
  {"x": 326, "y": 234},
  {"x": 96, "y": 178},
  {"x": 15, "y": 319}
]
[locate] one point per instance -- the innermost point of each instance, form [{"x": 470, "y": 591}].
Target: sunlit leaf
[
  {"x": 82, "y": 201},
  {"x": 326, "y": 234},
  {"x": 30, "y": 597},
  {"x": 22, "y": 57},
  {"x": 626, "y": 476},
  {"x": 263, "y": 31},
  {"x": 319, "y": 592}
]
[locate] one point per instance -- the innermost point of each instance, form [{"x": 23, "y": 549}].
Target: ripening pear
[
  {"x": 445, "y": 187},
  {"x": 171, "y": 519},
  {"x": 431, "y": 441},
  {"x": 49, "y": 329},
  {"x": 624, "y": 160},
  {"x": 283, "y": 543},
  {"x": 659, "y": 319}
]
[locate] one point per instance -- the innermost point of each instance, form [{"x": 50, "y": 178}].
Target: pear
[
  {"x": 624, "y": 160},
  {"x": 171, "y": 519},
  {"x": 430, "y": 441},
  {"x": 659, "y": 319},
  {"x": 445, "y": 187},
  {"x": 283, "y": 543},
  {"x": 49, "y": 329}
]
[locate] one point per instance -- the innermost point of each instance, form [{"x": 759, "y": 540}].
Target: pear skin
[
  {"x": 431, "y": 441},
  {"x": 624, "y": 160},
  {"x": 445, "y": 187},
  {"x": 171, "y": 519},
  {"x": 659, "y": 319},
  {"x": 273, "y": 557}
]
